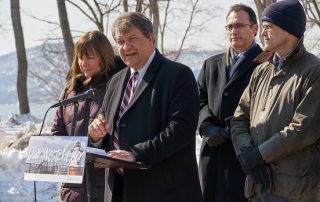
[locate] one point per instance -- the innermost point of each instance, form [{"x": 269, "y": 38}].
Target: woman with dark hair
[{"x": 93, "y": 64}]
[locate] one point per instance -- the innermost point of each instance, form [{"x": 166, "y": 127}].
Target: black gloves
[
  {"x": 249, "y": 158},
  {"x": 213, "y": 135},
  {"x": 261, "y": 175},
  {"x": 252, "y": 164}
]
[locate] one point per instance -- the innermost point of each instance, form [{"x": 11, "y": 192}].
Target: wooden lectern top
[{"x": 101, "y": 160}]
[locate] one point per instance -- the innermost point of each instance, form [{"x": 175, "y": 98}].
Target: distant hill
[
  {"x": 47, "y": 71},
  {"x": 43, "y": 74}
]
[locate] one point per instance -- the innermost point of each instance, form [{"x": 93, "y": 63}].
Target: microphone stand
[
  {"x": 34, "y": 182},
  {"x": 89, "y": 165},
  {"x": 74, "y": 118}
]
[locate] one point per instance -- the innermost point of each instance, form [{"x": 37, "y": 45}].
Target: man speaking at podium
[{"x": 149, "y": 115}]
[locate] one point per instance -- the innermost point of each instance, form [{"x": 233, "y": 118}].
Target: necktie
[{"x": 127, "y": 95}]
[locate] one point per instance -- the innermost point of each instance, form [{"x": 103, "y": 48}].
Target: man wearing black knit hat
[{"x": 275, "y": 129}]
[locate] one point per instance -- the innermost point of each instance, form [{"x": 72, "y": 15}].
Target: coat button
[{"x": 225, "y": 94}]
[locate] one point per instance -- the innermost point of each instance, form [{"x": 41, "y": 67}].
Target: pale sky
[{"x": 35, "y": 31}]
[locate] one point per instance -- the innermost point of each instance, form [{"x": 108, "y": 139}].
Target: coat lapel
[
  {"x": 222, "y": 67},
  {"x": 245, "y": 63},
  {"x": 121, "y": 84}
]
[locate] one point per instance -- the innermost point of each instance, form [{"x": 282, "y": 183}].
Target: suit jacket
[
  {"x": 222, "y": 179},
  {"x": 159, "y": 127}
]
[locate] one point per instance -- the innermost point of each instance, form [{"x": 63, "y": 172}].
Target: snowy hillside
[{"x": 45, "y": 70}]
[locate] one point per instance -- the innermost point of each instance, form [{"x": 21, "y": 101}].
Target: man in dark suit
[
  {"x": 221, "y": 82},
  {"x": 151, "y": 117}
]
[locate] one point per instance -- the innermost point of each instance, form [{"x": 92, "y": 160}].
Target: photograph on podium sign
[{"x": 56, "y": 158}]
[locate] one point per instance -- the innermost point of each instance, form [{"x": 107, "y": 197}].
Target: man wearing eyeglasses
[
  {"x": 221, "y": 82},
  {"x": 275, "y": 129}
]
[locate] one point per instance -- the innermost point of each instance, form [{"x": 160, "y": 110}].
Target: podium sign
[{"x": 56, "y": 158}]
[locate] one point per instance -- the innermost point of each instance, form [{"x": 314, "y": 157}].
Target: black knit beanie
[{"x": 288, "y": 15}]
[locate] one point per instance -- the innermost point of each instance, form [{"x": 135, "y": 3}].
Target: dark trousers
[{"x": 118, "y": 194}]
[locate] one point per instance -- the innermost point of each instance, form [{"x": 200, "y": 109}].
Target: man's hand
[
  {"x": 122, "y": 154},
  {"x": 98, "y": 128},
  {"x": 252, "y": 164},
  {"x": 249, "y": 158},
  {"x": 261, "y": 174},
  {"x": 213, "y": 135}
]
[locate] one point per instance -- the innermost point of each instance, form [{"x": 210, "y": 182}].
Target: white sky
[{"x": 35, "y": 31}]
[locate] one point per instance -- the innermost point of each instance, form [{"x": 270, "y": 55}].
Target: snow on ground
[{"x": 12, "y": 185}]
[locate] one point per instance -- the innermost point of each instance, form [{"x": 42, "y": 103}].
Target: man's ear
[
  {"x": 255, "y": 28},
  {"x": 152, "y": 38}
]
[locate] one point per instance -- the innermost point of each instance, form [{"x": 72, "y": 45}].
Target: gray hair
[{"x": 132, "y": 19}]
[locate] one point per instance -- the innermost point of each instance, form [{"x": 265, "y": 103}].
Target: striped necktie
[{"x": 128, "y": 92}]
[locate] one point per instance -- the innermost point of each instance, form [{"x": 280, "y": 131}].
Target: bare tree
[
  {"x": 96, "y": 11},
  {"x": 164, "y": 24},
  {"x": 65, "y": 28},
  {"x": 139, "y": 6},
  {"x": 312, "y": 10},
  {"x": 21, "y": 56},
  {"x": 125, "y": 5},
  {"x": 261, "y": 5},
  {"x": 53, "y": 79},
  {"x": 154, "y": 15},
  {"x": 192, "y": 16},
  {"x": 160, "y": 11}
]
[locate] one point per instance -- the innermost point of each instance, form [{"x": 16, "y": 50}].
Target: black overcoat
[
  {"x": 221, "y": 176},
  {"x": 159, "y": 127}
]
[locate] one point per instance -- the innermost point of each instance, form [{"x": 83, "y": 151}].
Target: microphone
[{"x": 89, "y": 94}]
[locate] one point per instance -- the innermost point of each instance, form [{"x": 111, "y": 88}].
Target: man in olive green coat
[{"x": 276, "y": 126}]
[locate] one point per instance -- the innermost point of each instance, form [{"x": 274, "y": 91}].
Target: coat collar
[
  {"x": 243, "y": 65},
  {"x": 268, "y": 55},
  {"x": 149, "y": 75}
]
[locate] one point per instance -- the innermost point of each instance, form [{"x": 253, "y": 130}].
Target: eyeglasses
[{"x": 236, "y": 26}]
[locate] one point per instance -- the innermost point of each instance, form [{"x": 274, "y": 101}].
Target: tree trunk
[
  {"x": 139, "y": 6},
  {"x": 125, "y": 6},
  {"x": 154, "y": 8},
  {"x": 21, "y": 56},
  {"x": 65, "y": 28}
]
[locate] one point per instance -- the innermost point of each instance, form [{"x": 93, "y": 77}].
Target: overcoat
[
  {"x": 221, "y": 176},
  {"x": 159, "y": 127}
]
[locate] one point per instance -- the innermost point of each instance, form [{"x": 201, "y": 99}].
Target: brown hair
[
  {"x": 92, "y": 42},
  {"x": 245, "y": 8}
]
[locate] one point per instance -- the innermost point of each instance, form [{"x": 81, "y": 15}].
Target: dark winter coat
[
  {"x": 222, "y": 179},
  {"x": 62, "y": 125},
  {"x": 159, "y": 127},
  {"x": 279, "y": 113}
]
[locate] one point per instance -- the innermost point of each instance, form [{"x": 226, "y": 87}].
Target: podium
[{"x": 100, "y": 160}]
